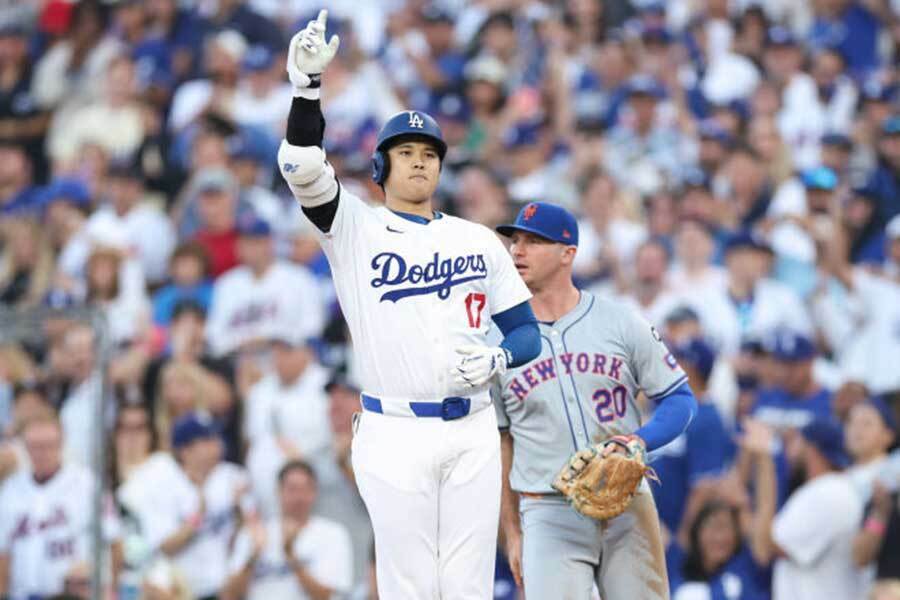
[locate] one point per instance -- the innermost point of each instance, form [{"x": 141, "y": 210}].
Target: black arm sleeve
[
  {"x": 306, "y": 127},
  {"x": 322, "y": 216},
  {"x": 306, "y": 124}
]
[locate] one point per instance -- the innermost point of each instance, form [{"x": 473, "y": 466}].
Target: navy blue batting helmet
[{"x": 406, "y": 123}]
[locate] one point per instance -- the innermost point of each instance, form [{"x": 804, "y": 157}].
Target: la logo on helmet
[{"x": 415, "y": 120}]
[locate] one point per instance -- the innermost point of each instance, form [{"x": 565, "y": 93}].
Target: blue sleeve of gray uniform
[
  {"x": 673, "y": 414},
  {"x": 521, "y": 336}
]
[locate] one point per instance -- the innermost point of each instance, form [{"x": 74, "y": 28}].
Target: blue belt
[{"x": 448, "y": 409}]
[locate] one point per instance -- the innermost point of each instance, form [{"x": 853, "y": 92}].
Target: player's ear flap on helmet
[{"x": 381, "y": 166}]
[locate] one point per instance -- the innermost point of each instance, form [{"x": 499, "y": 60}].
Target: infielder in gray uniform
[{"x": 595, "y": 358}]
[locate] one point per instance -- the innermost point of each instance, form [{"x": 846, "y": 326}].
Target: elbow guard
[{"x": 310, "y": 177}]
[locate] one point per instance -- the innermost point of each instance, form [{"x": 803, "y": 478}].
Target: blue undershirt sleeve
[
  {"x": 521, "y": 336},
  {"x": 673, "y": 414}
]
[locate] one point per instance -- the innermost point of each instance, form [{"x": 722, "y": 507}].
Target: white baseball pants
[{"x": 432, "y": 488}]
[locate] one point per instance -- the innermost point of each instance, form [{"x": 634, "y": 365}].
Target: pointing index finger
[{"x": 323, "y": 17}]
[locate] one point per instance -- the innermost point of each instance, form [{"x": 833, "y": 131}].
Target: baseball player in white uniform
[
  {"x": 418, "y": 289},
  {"x": 596, "y": 355}
]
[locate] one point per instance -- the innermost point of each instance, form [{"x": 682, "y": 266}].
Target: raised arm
[
  {"x": 301, "y": 158},
  {"x": 757, "y": 444}
]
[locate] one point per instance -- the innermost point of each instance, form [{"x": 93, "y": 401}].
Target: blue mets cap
[
  {"x": 827, "y": 436},
  {"x": 697, "y": 353},
  {"x": 546, "y": 220},
  {"x": 819, "y": 178},
  {"x": 192, "y": 427}
]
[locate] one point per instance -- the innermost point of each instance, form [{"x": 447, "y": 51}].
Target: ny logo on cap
[
  {"x": 529, "y": 211},
  {"x": 415, "y": 120}
]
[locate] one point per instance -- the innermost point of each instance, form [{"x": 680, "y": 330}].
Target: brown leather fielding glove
[{"x": 602, "y": 487}]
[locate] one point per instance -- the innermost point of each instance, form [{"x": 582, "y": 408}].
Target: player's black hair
[
  {"x": 693, "y": 569},
  {"x": 296, "y": 465}
]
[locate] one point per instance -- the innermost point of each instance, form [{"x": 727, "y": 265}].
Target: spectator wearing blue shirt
[
  {"x": 256, "y": 29},
  {"x": 852, "y": 29},
  {"x": 189, "y": 271},
  {"x": 17, "y": 194},
  {"x": 864, "y": 227},
  {"x": 441, "y": 67},
  {"x": 182, "y": 33},
  {"x": 717, "y": 563},
  {"x": 704, "y": 448},
  {"x": 795, "y": 399},
  {"x": 885, "y": 181}
]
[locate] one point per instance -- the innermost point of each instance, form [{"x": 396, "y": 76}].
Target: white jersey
[
  {"x": 246, "y": 308},
  {"x": 322, "y": 546},
  {"x": 414, "y": 292},
  {"x": 45, "y": 528},
  {"x": 203, "y": 561},
  {"x": 815, "y": 528}
]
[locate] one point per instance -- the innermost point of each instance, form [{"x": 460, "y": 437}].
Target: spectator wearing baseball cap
[
  {"x": 812, "y": 534},
  {"x": 191, "y": 508},
  {"x": 642, "y": 152},
  {"x": 885, "y": 180},
  {"x": 532, "y": 173},
  {"x": 866, "y": 233},
  {"x": 287, "y": 417},
  {"x": 211, "y": 217},
  {"x": 262, "y": 296},
  {"x": 750, "y": 302},
  {"x": 703, "y": 449},
  {"x": 796, "y": 398},
  {"x": 262, "y": 98}
]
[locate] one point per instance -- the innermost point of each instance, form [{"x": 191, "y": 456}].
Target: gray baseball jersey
[{"x": 581, "y": 389}]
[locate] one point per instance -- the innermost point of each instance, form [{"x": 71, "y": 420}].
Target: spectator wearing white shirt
[
  {"x": 694, "y": 270},
  {"x": 812, "y": 535},
  {"x": 45, "y": 516},
  {"x": 872, "y": 344},
  {"x": 751, "y": 304},
  {"x": 286, "y": 417},
  {"x": 650, "y": 293},
  {"x": 78, "y": 410},
  {"x": 148, "y": 230},
  {"x": 262, "y": 97},
  {"x": 191, "y": 511},
  {"x": 870, "y": 431},
  {"x": 262, "y": 297},
  {"x": 607, "y": 240},
  {"x": 296, "y": 555}
]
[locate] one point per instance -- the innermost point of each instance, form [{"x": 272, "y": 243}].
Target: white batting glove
[
  {"x": 308, "y": 55},
  {"x": 478, "y": 364}
]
